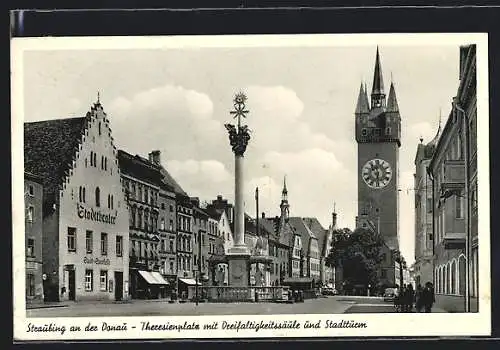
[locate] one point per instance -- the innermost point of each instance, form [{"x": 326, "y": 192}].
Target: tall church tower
[
  {"x": 284, "y": 206},
  {"x": 378, "y": 134}
]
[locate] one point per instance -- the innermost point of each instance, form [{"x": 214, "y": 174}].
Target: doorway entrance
[
  {"x": 118, "y": 285},
  {"x": 71, "y": 284}
]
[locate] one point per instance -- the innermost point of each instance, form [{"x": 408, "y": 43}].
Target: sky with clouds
[{"x": 301, "y": 102}]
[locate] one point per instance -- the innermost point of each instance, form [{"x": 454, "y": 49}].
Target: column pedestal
[{"x": 238, "y": 270}]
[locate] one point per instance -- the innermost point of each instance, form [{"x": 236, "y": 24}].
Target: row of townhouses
[
  {"x": 446, "y": 216},
  {"x": 104, "y": 224}
]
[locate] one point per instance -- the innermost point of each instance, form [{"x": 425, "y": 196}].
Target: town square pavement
[{"x": 324, "y": 305}]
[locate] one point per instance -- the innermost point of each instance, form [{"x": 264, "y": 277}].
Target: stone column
[
  {"x": 239, "y": 254},
  {"x": 239, "y": 209}
]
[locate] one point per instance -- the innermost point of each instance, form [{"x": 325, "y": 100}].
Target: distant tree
[{"x": 358, "y": 253}]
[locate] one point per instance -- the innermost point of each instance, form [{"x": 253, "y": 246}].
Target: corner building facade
[
  {"x": 85, "y": 216},
  {"x": 33, "y": 223}
]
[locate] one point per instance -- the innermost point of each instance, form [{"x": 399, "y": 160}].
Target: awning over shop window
[
  {"x": 148, "y": 277},
  {"x": 189, "y": 281},
  {"x": 153, "y": 277},
  {"x": 159, "y": 278}
]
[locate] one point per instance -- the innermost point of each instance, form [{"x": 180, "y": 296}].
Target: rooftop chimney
[{"x": 154, "y": 157}]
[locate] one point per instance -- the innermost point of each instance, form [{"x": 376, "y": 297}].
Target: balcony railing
[
  {"x": 454, "y": 175},
  {"x": 455, "y": 240}
]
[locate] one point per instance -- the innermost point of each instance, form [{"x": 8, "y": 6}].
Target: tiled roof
[
  {"x": 214, "y": 213},
  {"x": 199, "y": 211},
  {"x": 139, "y": 168},
  {"x": 318, "y": 231},
  {"x": 299, "y": 225},
  {"x": 170, "y": 181},
  {"x": 49, "y": 149}
]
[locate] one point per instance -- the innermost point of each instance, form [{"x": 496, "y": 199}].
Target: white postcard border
[{"x": 376, "y": 324}]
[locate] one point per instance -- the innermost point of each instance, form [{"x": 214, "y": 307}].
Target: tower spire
[
  {"x": 285, "y": 191},
  {"x": 392, "y": 101},
  {"x": 285, "y": 207},
  {"x": 362, "y": 106},
  {"x": 378, "y": 94}
]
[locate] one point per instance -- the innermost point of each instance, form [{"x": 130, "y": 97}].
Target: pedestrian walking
[
  {"x": 418, "y": 298},
  {"x": 409, "y": 298},
  {"x": 428, "y": 297},
  {"x": 402, "y": 298}
]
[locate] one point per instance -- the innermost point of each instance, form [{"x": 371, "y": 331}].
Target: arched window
[
  {"x": 80, "y": 194},
  {"x": 109, "y": 201},
  {"x": 146, "y": 220},
  {"x": 453, "y": 289},
  {"x": 105, "y": 163},
  {"x": 91, "y": 158},
  {"x": 139, "y": 219},
  {"x": 102, "y": 162},
  {"x": 132, "y": 216},
  {"x": 461, "y": 275},
  {"x": 84, "y": 200},
  {"x": 99, "y": 128},
  {"x": 97, "y": 197},
  {"x": 112, "y": 202}
]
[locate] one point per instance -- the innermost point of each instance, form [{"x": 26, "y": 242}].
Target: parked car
[
  {"x": 329, "y": 291},
  {"x": 390, "y": 294}
]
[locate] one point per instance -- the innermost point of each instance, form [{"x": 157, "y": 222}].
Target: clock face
[{"x": 377, "y": 173}]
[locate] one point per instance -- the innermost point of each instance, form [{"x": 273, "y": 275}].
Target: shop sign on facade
[
  {"x": 94, "y": 215},
  {"x": 96, "y": 261}
]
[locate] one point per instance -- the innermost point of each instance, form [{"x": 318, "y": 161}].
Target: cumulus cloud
[
  {"x": 315, "y": 179},
  {"x": 171, "y": 118},
  {"x": 205, "y": 179},
  {"x": 276, "y": 115},
  {"x": 423, "y": 130}
]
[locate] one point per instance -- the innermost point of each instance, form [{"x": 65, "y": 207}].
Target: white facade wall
[{"x": 76, "y": 213}]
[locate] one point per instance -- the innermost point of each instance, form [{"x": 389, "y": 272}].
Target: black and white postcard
[{"x": 250, "y": 186}]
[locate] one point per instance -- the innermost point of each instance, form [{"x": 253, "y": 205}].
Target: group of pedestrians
[{"x": 422, "y": 298}]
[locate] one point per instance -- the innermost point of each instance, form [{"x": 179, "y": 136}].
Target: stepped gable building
[
  {"x": 141, "y": 181},
  {"x": 323, "y": 237},
  {"x": 378, "y": 134},
  {"x": 310, "y": 258},
  {"x": 279, "y": 249},
  {"x": 423, "y": 266},
  {"x": 453, "y": 171},
  {"x": 85, "y": 215},
  {"x": 33, "y": 229}
]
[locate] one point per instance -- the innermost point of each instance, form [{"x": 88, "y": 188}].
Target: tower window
[
  {"x": 99, "y": 128},
  {"x": 364, "y": 132},
  {"x": 377, "y": 132},
  {"x": 388, "y": 131}
]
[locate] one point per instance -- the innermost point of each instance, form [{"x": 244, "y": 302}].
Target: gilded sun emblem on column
[{"x": 239, "y": 135}]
